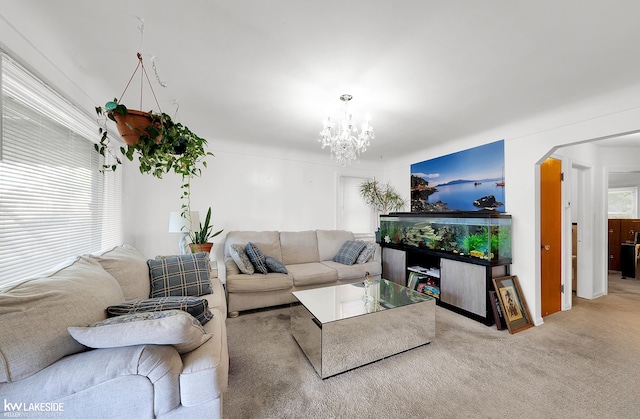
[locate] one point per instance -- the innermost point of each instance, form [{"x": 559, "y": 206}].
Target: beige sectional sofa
[
  {"x": 44, "y": 371},
  {"x": 308, "y": 257}
]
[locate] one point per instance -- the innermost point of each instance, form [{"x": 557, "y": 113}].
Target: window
[
  {"x": 54, "y": 201},
  {"x": 623, "y": 202}
]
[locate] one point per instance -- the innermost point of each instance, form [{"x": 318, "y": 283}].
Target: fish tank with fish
[{"x": 477, "y": 236}]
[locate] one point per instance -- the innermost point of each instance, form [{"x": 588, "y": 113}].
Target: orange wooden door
[{"x": 551, "y": 236}]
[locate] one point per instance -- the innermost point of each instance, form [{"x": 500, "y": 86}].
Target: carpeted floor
[{"x": 581, "y": 363}]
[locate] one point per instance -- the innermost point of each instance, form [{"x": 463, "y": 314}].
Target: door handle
[{"x": 545, "y": 247}]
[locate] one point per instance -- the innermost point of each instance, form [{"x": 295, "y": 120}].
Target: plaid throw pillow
[
  {"x": 184, "y": 275},
  {"x": 197, "y": 307},
  {"x": 349, "y": 252},
  {"x": 257, "y": 258}
]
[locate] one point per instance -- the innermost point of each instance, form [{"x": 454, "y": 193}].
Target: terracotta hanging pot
[
  {"x": 201, "y": 247},
  {"x": 132, "y": 125}
]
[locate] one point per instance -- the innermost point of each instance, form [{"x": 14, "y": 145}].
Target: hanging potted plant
[
  {"x": 200, "y": 238},
  {"x": 161, "y": 145},
  {"x": 131, "y": 123}
]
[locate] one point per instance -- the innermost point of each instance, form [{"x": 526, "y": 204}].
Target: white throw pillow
[
  {"x": 367, "y": 253},
  {"x": 167, "y": 327},
  {"x": 240, "y": 257}
]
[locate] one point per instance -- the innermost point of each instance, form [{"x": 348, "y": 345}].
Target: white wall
[{"x": 247, "y": 189}]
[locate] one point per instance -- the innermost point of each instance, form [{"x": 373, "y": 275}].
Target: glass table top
[{"x": 339, "y": 302}]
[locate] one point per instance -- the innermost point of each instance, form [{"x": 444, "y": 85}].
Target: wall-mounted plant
[{"x": 381, "y": 198}]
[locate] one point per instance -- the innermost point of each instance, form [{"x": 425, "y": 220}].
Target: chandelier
[{"x": 343, "y": 140}]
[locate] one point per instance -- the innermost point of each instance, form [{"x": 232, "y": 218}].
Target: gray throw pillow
[
  {"x": 239, "y": 256},
  {"x": 180, "y": 275},
  {"x": 349, "y": 252},
  {"x": 274, "y": 265},
  {"x": 257, "y": 258},
  {"x": 367, "y": 252},
  {"x": 196, "y": 306}
]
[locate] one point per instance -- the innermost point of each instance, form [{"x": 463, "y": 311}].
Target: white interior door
[{"x": 353, "y": 214}]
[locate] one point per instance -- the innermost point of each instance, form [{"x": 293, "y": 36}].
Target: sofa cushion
[
  {"x": 129, "y": 267},
  {"x": 330, "y": 241},
  {"x": 169, "y": 327},
  {"x": 299, "y": 247},
  {"x": 35, "y": 314},
  {"x": 367, "y": 253},
  {"x": 197, "y": 307},
  {"x": 348, "y": 253},
  {"x": 180, "y": 275},
  {"x": 356, "y": 271},
  {"x": 240, "y": 257},
  {"x": 269, "y": 282},
  {"x": 274, "y": 265},
  {"x": 312, "y": 274},
  {"x": 257, "y": 258}
]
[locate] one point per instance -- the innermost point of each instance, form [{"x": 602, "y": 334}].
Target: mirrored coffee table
[{"x": 346, "y": 326}]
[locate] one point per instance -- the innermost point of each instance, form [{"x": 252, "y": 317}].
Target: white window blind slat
[{"x": 54, "y": 201}]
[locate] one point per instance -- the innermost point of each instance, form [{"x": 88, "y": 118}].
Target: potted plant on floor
[
  {"x": 381, "y": 198},
  {"x": 200, "y": 238}
]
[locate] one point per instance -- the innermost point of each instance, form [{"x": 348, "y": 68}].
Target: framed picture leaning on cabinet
[{"x": 512, "y": 302}]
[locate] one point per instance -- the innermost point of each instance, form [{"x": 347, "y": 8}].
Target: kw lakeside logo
[{"x": 28, "y": 410}]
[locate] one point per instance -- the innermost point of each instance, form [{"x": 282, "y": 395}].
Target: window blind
[{"x": 54, "y": 201}]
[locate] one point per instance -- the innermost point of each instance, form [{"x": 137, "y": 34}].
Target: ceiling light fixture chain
[{"x": 344, "y": 140}]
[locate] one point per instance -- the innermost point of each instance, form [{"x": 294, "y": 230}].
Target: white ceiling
[{"x": 260, "y": 71}]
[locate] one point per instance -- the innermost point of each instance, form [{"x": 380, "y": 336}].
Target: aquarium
[{"x": 485, "y": 236}]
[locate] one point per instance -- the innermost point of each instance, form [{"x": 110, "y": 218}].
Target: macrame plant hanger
[
  {"x": 143, "y": 75},
  {"x": 132, "y": 124}
]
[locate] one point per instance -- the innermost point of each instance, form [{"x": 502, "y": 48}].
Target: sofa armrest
[
  {"x": 218, "y": 298},
  {"x": 88, "y": 372},
  {"x": 377, "y": 255},
  {"x": 205, "y": 373},
  {"x": 230, "y": 266}
]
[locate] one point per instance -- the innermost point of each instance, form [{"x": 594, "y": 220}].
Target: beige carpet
[{"x": 582, "y": 363}]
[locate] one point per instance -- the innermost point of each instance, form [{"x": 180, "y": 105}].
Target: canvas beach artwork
[{"x": 469, "y": 180}]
